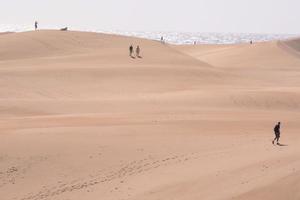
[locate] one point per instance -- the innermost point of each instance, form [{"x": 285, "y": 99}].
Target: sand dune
[
  {"x": 293, "y": 43},
  {"x": 80, "y": 119},
  {"x": 276, "y": 191},
  {"x": 259, "y": 56}
]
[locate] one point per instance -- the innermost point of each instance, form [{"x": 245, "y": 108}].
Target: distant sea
[
  {"x": 177, "y": 37},
  {"x": 205, "y": 38}
]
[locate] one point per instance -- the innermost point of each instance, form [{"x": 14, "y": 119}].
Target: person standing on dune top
[
  {"x": 36, "y": 25},
  {"x": 162, "y": 40},
  {"x": 277, "y": 132}
]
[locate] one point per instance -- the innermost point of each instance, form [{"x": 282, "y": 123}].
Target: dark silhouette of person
[
  {"x": 36, "y": 25},
  {"x": 138, "y": 51},
  {"x": 64, "y": 29},
  {"x": 162, "y": 39},
  {"x": 130, "y": 50},
  {"x": 277, "y": 132}
]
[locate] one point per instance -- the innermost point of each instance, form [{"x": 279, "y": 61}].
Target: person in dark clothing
[
  {"x": 162, "y": 40},
  {"x": 36, "y": 25},
  {"x": 130, "y": 50},
  {"x": 277, "y": 132}
]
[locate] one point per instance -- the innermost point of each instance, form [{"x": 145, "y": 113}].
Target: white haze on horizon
[
  {"x": 230, "y": 16},
  {"x": 171, "y": 37}
]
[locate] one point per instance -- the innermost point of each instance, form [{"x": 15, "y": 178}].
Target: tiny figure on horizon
[
  {"x": 277, "y": 133},
  {"x": 137, "y": 51},
  {"x": 36, "y": 25},
  {"x": 162, "y": 40},
  {"x": 195, "y": 42},
  {"x": 251, "y": 42},
  {"x": 64, "y": 29},
  {"x": 130, "y": 51}
]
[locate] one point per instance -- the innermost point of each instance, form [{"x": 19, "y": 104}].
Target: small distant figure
[
  {"x": 36, "y": 25},
  {"x": 195, "y": 43},
  {"x": 138, "y": 51},
  {"x": 277, "y": 132},
  {"x": 162, "y": 40},
  {"x": 131, "y": 51},
  {"x": 251, "y": 42},
  {"x": 64, "y": 29}
]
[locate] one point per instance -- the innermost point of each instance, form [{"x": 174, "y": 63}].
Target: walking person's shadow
[{"x": 282, "y": 145}]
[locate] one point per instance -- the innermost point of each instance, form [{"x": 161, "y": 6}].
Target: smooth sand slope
[{"x": 81, "y": 120}]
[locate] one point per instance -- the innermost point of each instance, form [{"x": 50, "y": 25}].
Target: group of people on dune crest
[{"x": 36, "y": 27}]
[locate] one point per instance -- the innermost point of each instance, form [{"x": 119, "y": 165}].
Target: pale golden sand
[{"x": 80, "y": 120}]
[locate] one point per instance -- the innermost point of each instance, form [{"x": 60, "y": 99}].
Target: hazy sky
[{"x": 254, "y": 16}]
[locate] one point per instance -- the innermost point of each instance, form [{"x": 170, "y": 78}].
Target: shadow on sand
[{"x": 282, "y": 145}]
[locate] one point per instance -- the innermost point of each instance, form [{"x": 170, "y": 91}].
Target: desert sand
[{"x": 81, "y": 120}]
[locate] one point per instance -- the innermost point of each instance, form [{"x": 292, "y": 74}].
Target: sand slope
[{"x": 82, "y": 120}]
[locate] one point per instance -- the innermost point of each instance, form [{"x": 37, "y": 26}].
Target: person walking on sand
[
  {"x": 277, "y": 132},
  {"x": 130, "y": 50},
  {"x": 137, "y": 51},
  {"x": 36, "y": 25}
]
